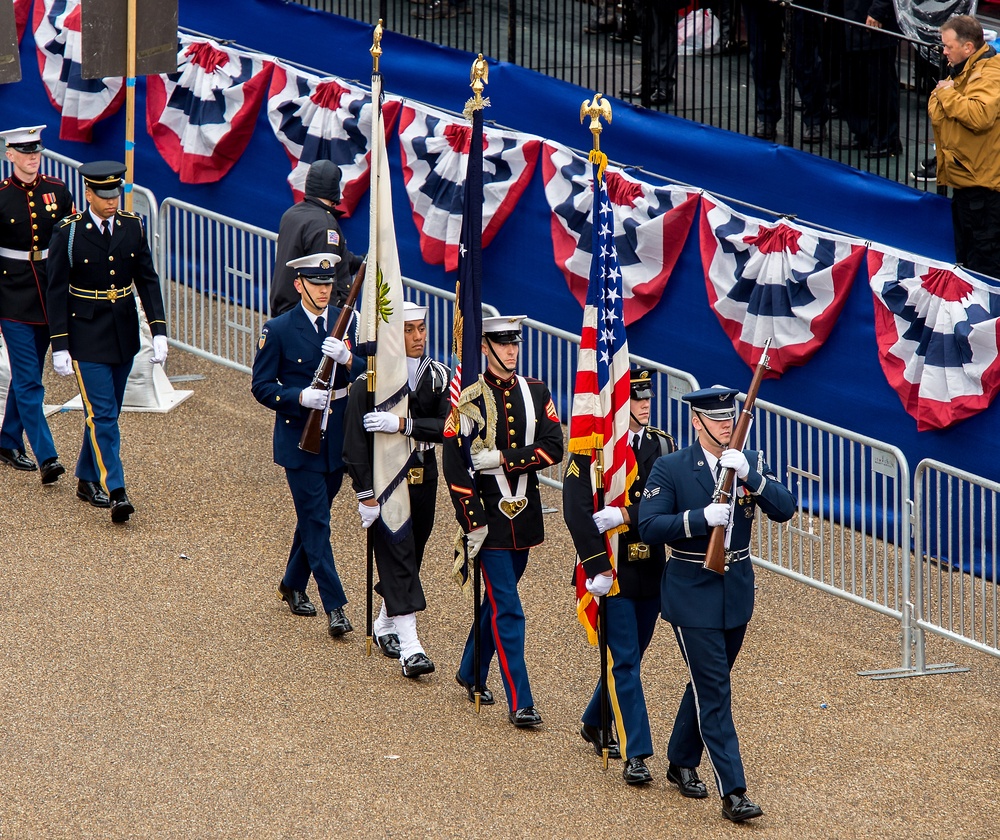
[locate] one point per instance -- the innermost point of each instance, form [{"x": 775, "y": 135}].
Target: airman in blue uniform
[{"x": 709, "y": 612}]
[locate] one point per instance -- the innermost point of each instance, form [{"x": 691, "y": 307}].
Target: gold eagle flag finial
[
  {"x": 376, "y": 49},
  {"x": 479, "y": 77},
  {"x": 595, "y": 109}
]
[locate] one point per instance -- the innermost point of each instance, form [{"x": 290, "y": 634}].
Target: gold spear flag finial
[
  {"x": 376, "y": 49},
  {"x": 596, "y": 109},
  {"x": 479, "y": 77}
]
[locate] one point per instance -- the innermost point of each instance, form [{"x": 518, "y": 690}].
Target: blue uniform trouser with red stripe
[
  {"x": 630, "y": 628},
  {"x": 24, "y": 412},
  {"x": 102, "y": 388},
  {"x": 501, "y": 626}
]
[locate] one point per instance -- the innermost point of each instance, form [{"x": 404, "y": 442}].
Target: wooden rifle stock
[
  {"x": 312, "y": 434},
  {"x": 715, "y": 555}
]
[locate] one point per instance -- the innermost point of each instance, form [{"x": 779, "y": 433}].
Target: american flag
[{"x": 600, "y": 418}]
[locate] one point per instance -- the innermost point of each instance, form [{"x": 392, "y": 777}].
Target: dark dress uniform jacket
[
  {"x": 429, "y": 406},
  {"x": 28, "y": 215},
  {"x": 288, "y": 352},
  {"x": 671, "y": 512},
  {"x": 639, "y": 578},
  {"x": 309, "y": 227},
  {"x": 477, "y": 501},
  {"x": 92, "y": 310}
]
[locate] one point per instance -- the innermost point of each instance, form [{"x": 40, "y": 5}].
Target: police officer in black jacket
[
  {"x": 98, "y": 261},
  {"x": 31, "y": 204},
  {"x": 312, "y": 227},
  {"x": 632, "y": 613}
]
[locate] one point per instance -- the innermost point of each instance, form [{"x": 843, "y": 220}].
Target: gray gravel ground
[{"x": 154, "y": 685}]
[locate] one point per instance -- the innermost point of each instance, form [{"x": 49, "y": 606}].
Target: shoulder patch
[
  {"x": 75, "y": 217},
  {"x": 573, "y": 469},
  {"x": 333, "y": 237},
  {"x": 648, "y": 493},
  {"x": 262, "y": 339},
  {"x": 550, "y": 411}
]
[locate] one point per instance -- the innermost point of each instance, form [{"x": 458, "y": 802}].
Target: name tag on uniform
[{"x": 333, "y": 237}]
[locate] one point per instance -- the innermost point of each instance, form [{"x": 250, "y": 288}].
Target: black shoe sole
[
  {"x": 613, "y": 751},
  {"x": 287, "y": 599},
  {"x": 690, "y": 795},
  {"x": 485, "y": 699},
  {"x": 83, "y": 497},
  {"x": 51, "y": 475},
  {"x": 121, "y": 513},
  {"x": 20, "y": 467}
]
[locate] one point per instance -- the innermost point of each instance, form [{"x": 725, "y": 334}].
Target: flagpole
[
  {"x": 376, "y": 53},
  {"x": 474, "y": 111},
  {"x": 595, "y": 110},
  {"x": 130, "y": 62}
]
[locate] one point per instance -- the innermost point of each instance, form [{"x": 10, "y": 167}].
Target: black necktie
[
  {"x": 321, "y": 326},
  {"x": 106, "y": 230},
  {"x": 636, "y": 446}
]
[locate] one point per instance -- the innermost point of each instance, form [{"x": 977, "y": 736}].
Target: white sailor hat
[
  {"x": 715, "y": 403},
  {"x": 503, "y": 329},
  {"x": 414, "y": 311},
  {"x": 27, "y": 139},
  {"x": 316, "y": 268}
]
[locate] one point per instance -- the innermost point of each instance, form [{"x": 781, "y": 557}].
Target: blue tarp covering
[{"x": 842, "y": 384}]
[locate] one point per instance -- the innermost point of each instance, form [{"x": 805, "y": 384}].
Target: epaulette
[
  {"x": 660, "y": 432},
  {"x": 73, "y": 217},
  {"x": 666, "y": 440},
  {"x": 128, "y": 214},
  {"x": 53, "y": 180}
]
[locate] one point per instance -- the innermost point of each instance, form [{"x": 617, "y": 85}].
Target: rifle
[
  {"x": 312, "y": 434},
  {"x": 715, "y": 555}
]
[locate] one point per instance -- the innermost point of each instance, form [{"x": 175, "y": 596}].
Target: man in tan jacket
[{"x": 964, "y": 110}]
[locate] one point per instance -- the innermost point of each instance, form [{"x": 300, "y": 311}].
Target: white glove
[
  {"x": 734, "y": 459},
  {"x": 717, "y": 514},
  {"x": 381, "y": 421},
  {"x": 486, "y": 459},
  {"x": 62, "y": 362},
  {"x": 315, "y": 398},
  {"x": 607, "y": 518},
  {"x": 334, "y": 348},
  {"x": 369, "y": 513},
  {"x": 475, "y": 539},
  {"x": 600, "y": 585},
  {"x": 159, "y": 349}
]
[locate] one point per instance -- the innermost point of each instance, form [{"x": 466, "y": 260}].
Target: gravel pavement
[{"x": 153, "y": 686}]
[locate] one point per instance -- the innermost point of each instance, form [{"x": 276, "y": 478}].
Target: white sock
[
  {"x": 383, "y": 625},
  {"x": 406, "y": 629}
]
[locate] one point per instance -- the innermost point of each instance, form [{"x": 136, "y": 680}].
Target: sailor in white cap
[{"x": 31, "y": 203}]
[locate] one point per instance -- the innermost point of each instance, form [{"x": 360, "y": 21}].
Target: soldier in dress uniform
[
  {"x": 709, "y": 612},
  {"x": 515, "y": 432},
  {"x": 632, "y": 613},
  {"x": 31, "y": 204},
  {"x": 98, "y": 261},
  {"x": 311, "y": 227},
  {"x": 428, "y": 410},
  {"x": 289, "y": 350}
]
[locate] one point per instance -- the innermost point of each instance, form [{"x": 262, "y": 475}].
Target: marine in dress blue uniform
[
  {"x": 31, "y": 204},
  {"x": 633, "y": 611},
  {"x": 428, "y": 408},
  {"x": 98, "y": 261},
  {"x": 312, "y": 226},
  {"x": 709, "y": 612},
  {"x": 289, "y": 350},
  {"x": 499, "y": 507}
]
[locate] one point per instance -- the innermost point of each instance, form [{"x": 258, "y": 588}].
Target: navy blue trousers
[
  {"x": 312, "y": 495},
  {"x": 705, "y": 716},
  {"x": 501, "y": 626},
  {"x": 24, "y": 412},
  {"x": 102, "y": 388},
  {"x": 630, "y": 628}
]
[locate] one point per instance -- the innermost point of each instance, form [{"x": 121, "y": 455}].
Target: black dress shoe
[
  {"x": 485, "y": 695},
  {"x": 121, "y": 507},
  {"x": 51, "y": 470},
  {"x": 592, "y": 735},
  {"x": 885, "y": 150},
  {"x": 91, "y": 491},
  {"x": 635, "y": 772},
  {"x": 660, "y": 97},
  {"x": 417, "y": 665},
  {"x": 298, "y": 601},
  {"x": 738, "y": 807},
  {"x": 522, "y": 718},
  {"x": 686, "y": 778},
  {"x": 388, "y": 644},
  {"x": 17, "y": 459},
  {"x": 339, "y": 625}
]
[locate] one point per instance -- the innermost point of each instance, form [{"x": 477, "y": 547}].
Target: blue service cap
[
  {"x": 27, "y": 139},
  {"x": 103, "y": 177},
  {"x": 715, "y": 403},
  {"x": 316, "y": 268}
]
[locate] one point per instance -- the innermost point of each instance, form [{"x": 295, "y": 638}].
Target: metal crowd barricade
[
  {"x": 955, "y": 545},
  {"x": 216, "y": 278}
]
